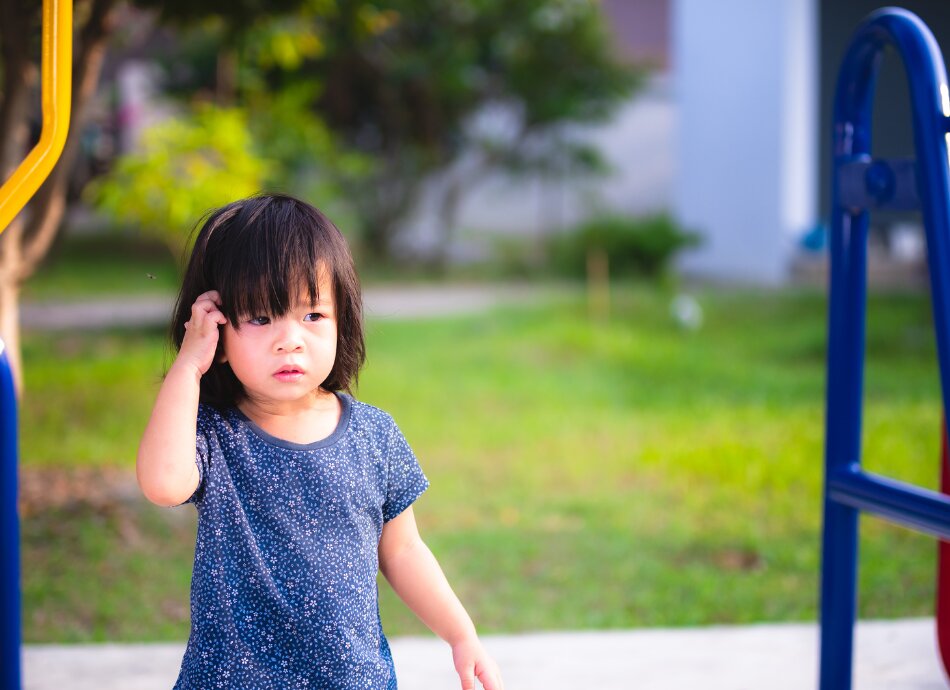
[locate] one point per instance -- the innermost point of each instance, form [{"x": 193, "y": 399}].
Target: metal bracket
[{"x": 866, "y": 184}]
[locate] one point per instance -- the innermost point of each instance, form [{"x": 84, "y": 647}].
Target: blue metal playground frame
[
  {"x": 9, "y": 532},
  {"x": 860, "y": 185}
]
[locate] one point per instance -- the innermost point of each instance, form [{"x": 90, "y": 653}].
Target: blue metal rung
[{"x": 906, "y": 504}]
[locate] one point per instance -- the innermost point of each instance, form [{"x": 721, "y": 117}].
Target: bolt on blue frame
[{"x": 860, "y": 185}]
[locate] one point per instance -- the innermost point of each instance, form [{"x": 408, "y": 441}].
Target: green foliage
[
  {"x": 415, "y": 70},
  {"x": 634, "y": 246},
  {"x": 566, "y": 40},
  {"x": 285, "y": 43},
  {"x": 308, "y": 159},
  {"x": 400, "y": 81},
  {"x": 235, "y": 14},
  {"x": 185, "y": 167}
]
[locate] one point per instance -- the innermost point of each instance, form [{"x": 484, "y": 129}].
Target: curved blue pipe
[{"x": 848, "y": 490}]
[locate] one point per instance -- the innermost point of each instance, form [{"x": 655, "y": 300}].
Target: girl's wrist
[
  {"x": 185, "y": 368},
  {"x": 463, "y": 637}
]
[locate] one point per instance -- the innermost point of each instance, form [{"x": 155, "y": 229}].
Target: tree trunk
[
  {"x": 9, "y": 301},
  {"x": 462, "y": 177},
  {"x": 383, "y": 201},
  {"x": 448, "y": 219},
  {"x": 19, "y": 77},
  {"x": 49, "y": 205},
  {"x": 226, "y": 77}
]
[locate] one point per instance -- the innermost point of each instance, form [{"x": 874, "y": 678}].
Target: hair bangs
[{"x": 271, "y": 266}]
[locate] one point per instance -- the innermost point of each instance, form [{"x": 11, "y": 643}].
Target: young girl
[{"x": 302, "y": 492}]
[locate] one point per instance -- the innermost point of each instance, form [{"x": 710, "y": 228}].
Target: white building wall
[
  {"x": 637, "y": 144},
  {"x": 746, "y": 86}
]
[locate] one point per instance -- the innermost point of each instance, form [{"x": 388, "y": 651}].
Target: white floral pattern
[{"x": 283, "y": 593}]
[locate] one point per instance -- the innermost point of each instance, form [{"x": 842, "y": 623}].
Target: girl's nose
[{"x": 288, "y": 339}]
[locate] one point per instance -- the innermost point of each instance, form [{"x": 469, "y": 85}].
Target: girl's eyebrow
[{"x": 322, "y": 303}]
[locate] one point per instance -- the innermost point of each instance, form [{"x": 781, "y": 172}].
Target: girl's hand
[
  {"x": 471, "y": 662},
  {"x": 201, "y": 332}
]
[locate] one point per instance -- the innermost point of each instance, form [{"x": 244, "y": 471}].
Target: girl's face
[{"x": 285, "y": 359}]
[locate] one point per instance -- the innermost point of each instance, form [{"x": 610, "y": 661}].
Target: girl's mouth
[{"x": 288, "y": 374}]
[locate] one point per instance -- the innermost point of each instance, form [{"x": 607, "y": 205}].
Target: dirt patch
[{"x": 45, "y": 488}]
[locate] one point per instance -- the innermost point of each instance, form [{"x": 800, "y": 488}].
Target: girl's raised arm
[{"x": 165, "y": 465}]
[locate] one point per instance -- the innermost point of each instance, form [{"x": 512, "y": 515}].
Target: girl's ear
[{"x": 219, "y": 355}]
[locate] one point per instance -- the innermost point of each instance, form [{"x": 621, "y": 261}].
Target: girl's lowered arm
[
  {"x": 165, "y": 465},
  {"x": 417, "y": 578}
]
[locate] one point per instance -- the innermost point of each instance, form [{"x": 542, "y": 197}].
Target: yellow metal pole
[{"x": 57, "y": 76}]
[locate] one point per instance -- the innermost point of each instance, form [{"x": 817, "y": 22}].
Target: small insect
[{"x": 150, "y": 276}]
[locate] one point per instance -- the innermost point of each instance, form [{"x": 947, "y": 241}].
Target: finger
[
  {"x": 212, "y": 295},
  {"x": 490, "y": 680},
  {"x": 205, "y": 325},
  {"x": 202, "y": 309},
  {"x": 467, "y": 676},
  {"x": 205, "y": 304}
]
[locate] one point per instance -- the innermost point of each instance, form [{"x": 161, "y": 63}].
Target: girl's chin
[{"x": 282, "y": 393}]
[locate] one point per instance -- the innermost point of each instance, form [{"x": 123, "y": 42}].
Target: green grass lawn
[
  {"x": 584, "y": 475},
  {"x": 103, "y": 265}
]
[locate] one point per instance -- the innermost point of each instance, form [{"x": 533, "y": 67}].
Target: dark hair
[{"x": 257, "y": 253}]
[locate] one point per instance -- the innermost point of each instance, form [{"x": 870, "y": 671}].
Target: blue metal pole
[
  {"x": 9, "y": 531},
  {"x": 846, "y": 318},
  {"x": 843, "y": 444}
]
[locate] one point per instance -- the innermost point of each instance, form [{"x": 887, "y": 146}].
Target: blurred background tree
[
  {"x": 355, "y": 105},
  {"x": 359, "y": 103}
]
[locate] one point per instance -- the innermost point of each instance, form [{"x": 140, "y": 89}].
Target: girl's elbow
[
  {"x": 162, "y": 491},
  {"x": 165, "y": 498}
]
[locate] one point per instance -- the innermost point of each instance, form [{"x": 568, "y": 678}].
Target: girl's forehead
[
  {"x": 324, "y": 294},
  {"x": 273, "y": 293}
]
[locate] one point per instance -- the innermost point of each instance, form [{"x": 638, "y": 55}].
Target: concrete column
[{"x": 746, "y": 83}]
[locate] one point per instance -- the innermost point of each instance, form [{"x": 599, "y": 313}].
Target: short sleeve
[
  {"x": 405, "y": 481},
  {"x": 201, "y": 454}
]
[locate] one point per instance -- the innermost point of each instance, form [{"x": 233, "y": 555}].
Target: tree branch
[
  {"x": 19, "y": 75},
  {"x": 49, "y": 205}
]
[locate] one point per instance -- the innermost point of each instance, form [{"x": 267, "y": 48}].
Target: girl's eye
[
  {"x": 313, "y": 316},
  {"x": 259, "y": 321}
]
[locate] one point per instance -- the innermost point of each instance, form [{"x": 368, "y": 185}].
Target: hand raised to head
[{"x": 202, "y": 333}]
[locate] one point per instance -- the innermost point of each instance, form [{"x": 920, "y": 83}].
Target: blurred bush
[
  {"x": 207, "y": 156},
  {"x": 186, "y": 166},
  {"x": 634, "y": 247}
]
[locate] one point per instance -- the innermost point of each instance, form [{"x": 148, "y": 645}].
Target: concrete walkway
[
  {"x": 890, "y": 655},
  {"x": 392, "y": 302}
]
